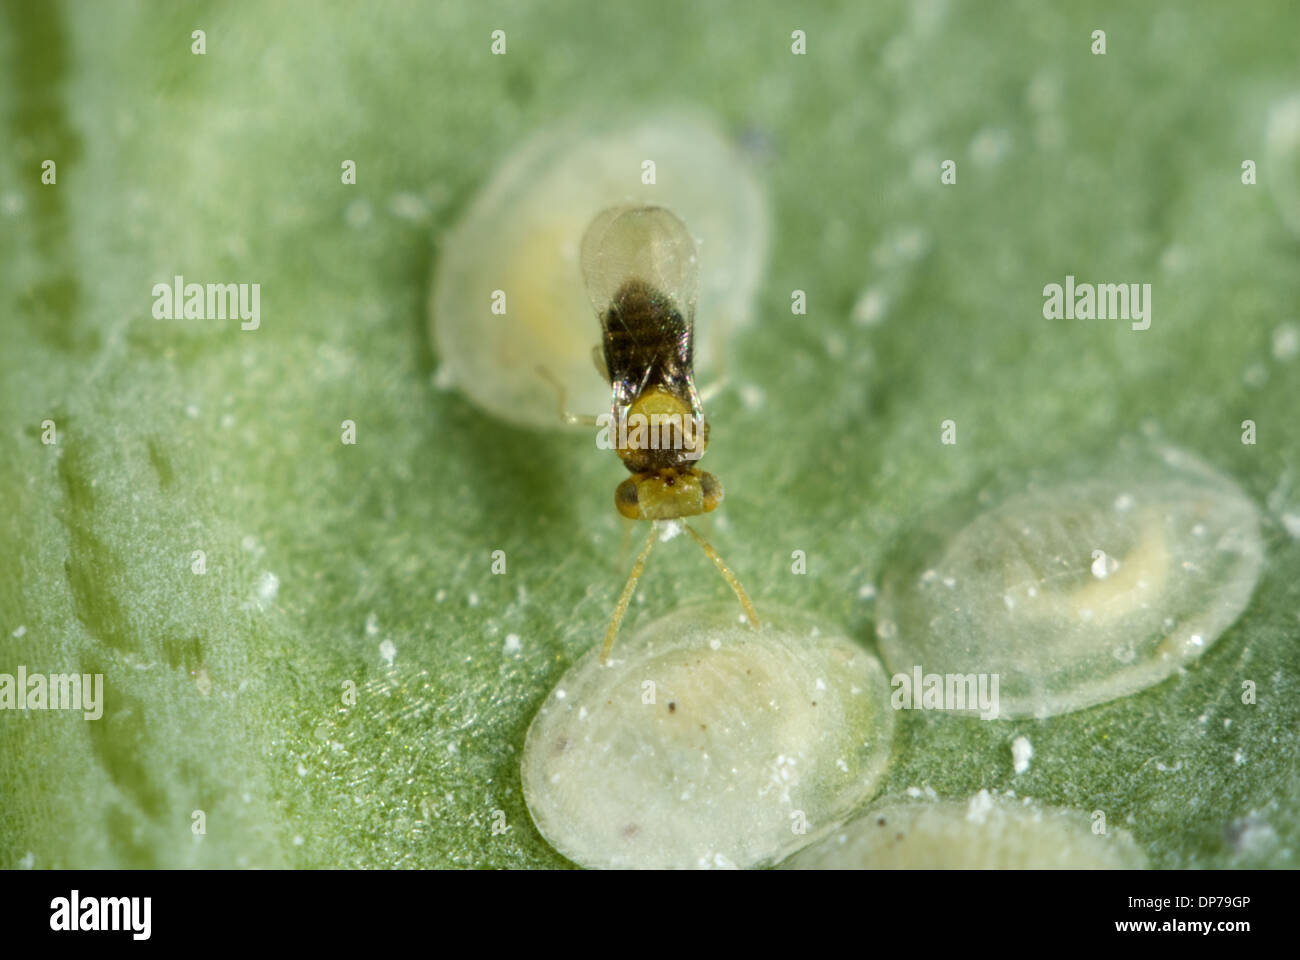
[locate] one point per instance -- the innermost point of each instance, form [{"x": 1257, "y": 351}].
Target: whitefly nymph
[
  {"x": 1084, "y": 585},
  {"x": 984, "y": 832},
  {"x": 508, "y": 297},
  {"x": 704, "y": 743}
]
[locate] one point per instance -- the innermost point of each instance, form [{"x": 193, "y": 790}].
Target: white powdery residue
[
  {"x": 388, "y": 652},
  {"x": 870, "y": 308},
  {"x": 408, "y": 206},
  {"x": 1239, "y": 757},
  {"x": 20, "y": 632},
  {"x": 372, "y": 625},
  {"x": 914, "y": 792},
  {"x": 473, "y": 599},
  {"x": 268, "y": 585},
  {"x": 513, "y": 644},
  {"x": 867, "y": 591},
  {"x": 752, "y": 396},
  {"x": 28, "y": 862},
  {"x": 444, "y": 378},
  {"x": 298, "y": 841},
  {"x": 669, "y": 529},
  {"x": 1286, "y": 342},
  {"x": 1022, "y": 751},
  {"x": 302, "y": 769},
  {"x": 1099, "y": 569},
  {"x": 980, "y": 805}
]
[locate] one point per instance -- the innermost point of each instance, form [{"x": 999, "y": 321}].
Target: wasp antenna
[
  {"x": 625, "y": 599},
  {"x": 726, "y": 575}
]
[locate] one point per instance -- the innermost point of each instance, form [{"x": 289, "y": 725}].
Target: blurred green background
[{"x": 224, "y": 693}]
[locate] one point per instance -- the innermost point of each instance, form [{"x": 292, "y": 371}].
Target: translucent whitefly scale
[
  {"x": 1179, "y": 547},
  {"x": 521, "y": 236},
  {"x": 985, "y": 832},
  {"x": 704, "y": 743}
]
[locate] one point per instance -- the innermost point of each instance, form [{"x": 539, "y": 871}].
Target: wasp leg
[
  {"x": 713, "y": 389},
  {"x": 562, "y": 399},
  {"x": 598, "y": 358},
  {"x": 626, "y": 597},
  {"x": 727, "y": 575}
]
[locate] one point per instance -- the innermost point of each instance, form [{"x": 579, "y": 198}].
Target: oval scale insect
[{"x": 640, "y": 268}]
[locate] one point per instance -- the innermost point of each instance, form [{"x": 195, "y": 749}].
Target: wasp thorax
[{"x": 659, "y": 430}]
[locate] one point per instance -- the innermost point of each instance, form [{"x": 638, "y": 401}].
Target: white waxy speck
[
  {"x": 268, "y": 585},
  {"x": 20, "y": 632},
  {"x": 388, "y": 652},
  {"x": 752, "y": 396},
  {"x": 513, "y": 644},
  {"x": 1286, "y": 342},
  {"x": 372, "y": 625},
  {"x": 473, "y": 599},
  {"x": 712, "y": 771},
  {"x": 1099, "y": 569},
  {"x": 867, "y": 591},
  {"x": 1291, "y": 523},
  {"x": 668, "y": 529},
  {"x": 28, "y": 861},
  {"x": 870, "y": 307},
  {"x": 408, "y": 206},
  {"x": 1022, "y": 751},
  {"x": 990, "y": 146},
  {"x": 1239, "y": 757},
  {"x": 977, "y": 810}
]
